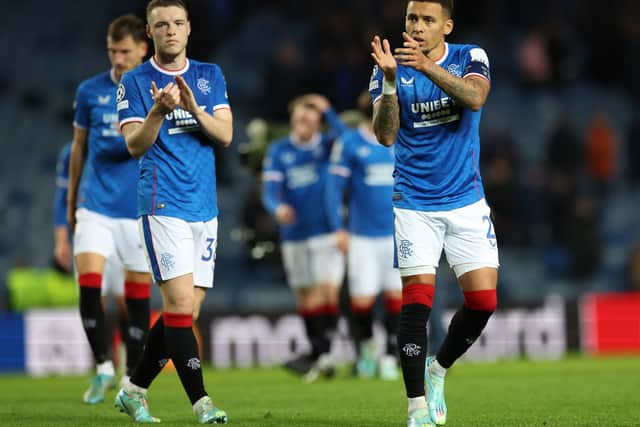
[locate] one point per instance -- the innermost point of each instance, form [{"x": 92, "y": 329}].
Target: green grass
[{"x": 571, "y": 392}]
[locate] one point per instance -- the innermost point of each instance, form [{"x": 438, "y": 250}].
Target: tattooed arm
[
  {"x": 386, "y": 119},
  {"x": 470, "y": 92},
  {"x": 386, "y": 111}
]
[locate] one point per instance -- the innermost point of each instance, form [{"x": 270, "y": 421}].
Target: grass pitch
[{"x": 571, "y": 392}]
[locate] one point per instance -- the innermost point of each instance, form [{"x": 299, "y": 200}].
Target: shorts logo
[
  {"x": 162, "y": 362},
  {"x": 136, "y": 333},
  {"x": 166, "y": 259},
  {"x": 411, "y": 350},
  {"x": 404, "y": 249},
  {"x": 203, "y": 86},
  {"x": 194, "y": 363}
]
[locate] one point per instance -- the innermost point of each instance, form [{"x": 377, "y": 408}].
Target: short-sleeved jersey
[
  {"x": 62, "y": 186},
  {"x": 365, "y": 167},
  {"x": 177, "y": 174},
  {"x": 110, "y": 174},
  {"x": 295, "y": 173},
  {"x": 438, "y": 144}
]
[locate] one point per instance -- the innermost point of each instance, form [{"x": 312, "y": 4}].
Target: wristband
[{"x": 388, "y": 88}]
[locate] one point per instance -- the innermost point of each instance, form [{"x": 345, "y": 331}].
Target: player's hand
[
  {"x": 187, "y": 99},
  {"x": 285, "y": 214},
  {"x": 342, "y": 240},
  {"x": 167, "y": 98},
  {"x": 319, "y": 101},
  {"x": 62, "y": 254},
  {"x": 381, "y": 53},
  {"x": 411, "y": 54}
]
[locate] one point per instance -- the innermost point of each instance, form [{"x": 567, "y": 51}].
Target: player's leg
[
  {"x": 327, "y": 269},
  {"x": 364, "y": 284},
  {"x": 113, "y": 288},
  {"x": 309, "y": 301},
  {"x": 471, "y": 249},
  {"x": 205, "y": 237},
  {"x": 418, "y": 240},
  {"x": 392, "y": 294},
  {"x": 93, "y": 242},
  {"x": 137, "y": 287}
]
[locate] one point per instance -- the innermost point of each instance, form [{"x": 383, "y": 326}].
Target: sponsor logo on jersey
[
  {"x": 302, "y": 176},
  {"x": 203, "y": 86},
  {"x": 407, "y": 82},
  {"x": 436, "y": 112},
  {"x": 183, "y": 120},
  {"x": 380, "y": 174}
]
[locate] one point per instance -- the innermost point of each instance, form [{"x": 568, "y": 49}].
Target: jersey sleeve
[
  {"x": 62, "y": 187},
  {"x": 339, "y": 173},
  {"x": 220, "y": 95},
  {"x": 272, "y": 180},
  {"x": 375, "y": 84},
  {"x": 477, "y": 64},
  {"x": 129, "y": 102},
  {"x": 82, "y": 113}
]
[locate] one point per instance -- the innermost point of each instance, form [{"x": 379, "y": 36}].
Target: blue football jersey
[
  {"x": 437, "y": 149},
  {"x": 364, "y": 167},
  {"x": 177, "y": 174},
  {"x": 62, "y": 186},
  {"x": 295, "y": 173},
  {"x": 110, "y": 173}
]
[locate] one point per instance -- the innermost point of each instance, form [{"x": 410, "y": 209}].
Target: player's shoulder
[
  {"x": 280, "y": 144},
  {"x": 94, "y": 82},
  {"x": 473, "y": 50},
  {"x": 200, "y": 66},
  {"x": 141, "y": 70},
  {"x": 350, "y": 137}
]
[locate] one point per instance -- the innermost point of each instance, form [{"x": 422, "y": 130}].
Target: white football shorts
[
  {"x": 466, "y": 234},
  {"x": 313, "y": 261},
  {"x": 176, "y": 247},
  {"x": 101, "y": 234},
  {"x": 113, "y": 277},
  {"x": 370, "y": 266}
]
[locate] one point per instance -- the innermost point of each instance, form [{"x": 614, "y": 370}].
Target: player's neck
[
  {"x": 437, "y": 52},
  {"x": 171, "y": 62}
]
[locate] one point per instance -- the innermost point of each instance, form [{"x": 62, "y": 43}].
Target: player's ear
[
  {"x": 448, "y": 27},
  {"x": 144, "y": 47},
  {"x": 148, "y": 31},
  {"x": 188, "y": 28}
]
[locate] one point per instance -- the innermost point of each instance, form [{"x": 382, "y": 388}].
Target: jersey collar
[
  {"x": 308, "y": 145},
  {"x": 163, "y": 70},
  {"x": 445, "y": 53},
  {"x": 112, "y": 74}
]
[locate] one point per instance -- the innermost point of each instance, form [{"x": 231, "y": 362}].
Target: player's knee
[{"x": 484, "y": 300}]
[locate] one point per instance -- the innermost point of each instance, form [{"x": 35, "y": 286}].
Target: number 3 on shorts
[
  {"x": 210, "y": 250},
  {"x": 490, "y": 233}
]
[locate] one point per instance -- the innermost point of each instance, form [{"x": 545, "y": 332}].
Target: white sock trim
[
  {"x": 106, "y": 368},
  {"x": 199, "y": 402},
  {"x": 417, "y": 403},
  {"x": 130, "y": 387}
]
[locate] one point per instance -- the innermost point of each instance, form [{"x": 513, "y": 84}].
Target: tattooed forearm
[
  {"x": 470, "y": 92},
  {"x": 386, "y": 119}
]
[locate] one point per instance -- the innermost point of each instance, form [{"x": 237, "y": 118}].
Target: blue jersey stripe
[{"x": 148, "y": 241}]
